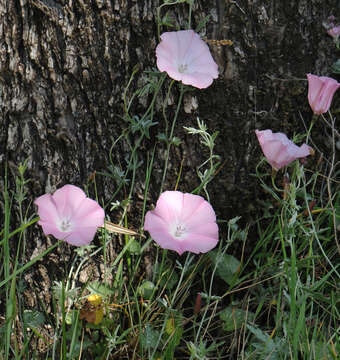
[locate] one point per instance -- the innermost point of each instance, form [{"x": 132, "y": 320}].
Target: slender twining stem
[
  {"x": 314, "y": 229},
  {"x": 331, "y": 125},
  {"x": 126, "y": 105},
  {"x": 314, "y": 118},
  {"x": 29, "y": 264},
  {"x": 329, "y": 183},
  {"x": 164, "y": 107},
  {"x": 170, "y": 139},
  {"x": 274, "y": 172},
  {"x": 6, "y": 266},
  {"x": 188, "y": 260},
  {"x": 190, "y": 12},
  {"x": 187, "y": 263},
  {"x": 152, "y": 103}
]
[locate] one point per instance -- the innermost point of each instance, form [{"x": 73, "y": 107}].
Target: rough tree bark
[{"x": 64, "y": 65}]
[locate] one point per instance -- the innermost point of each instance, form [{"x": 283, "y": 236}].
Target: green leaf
[
  {"x": 149, "y": 337},
  {"x": 162, "y": 137},
  {"x": 33, "y": 318},
  {"x": 134, "y": 248},
  {"x": 227, "y": 265},
  {"x": 176, "y": 141},
  {"x": 336, "y": 67},
  {"x": 234, "y": 318},
  {"x": 146, "y": 289},
  {"x": 96, "y": 287},
  {"x": 166, "y": 275},
  {"x": 173, "y": 343}
]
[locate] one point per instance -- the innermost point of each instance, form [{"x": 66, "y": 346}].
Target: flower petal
[
  {"x": 321, "y": 90},
  {"x": 197, "y": 211},
  {"x": 68, "y": 200},
  {"x": 186, "y": 57},
  {"x": 198, "y": 243},
  {"x": 47, "y": 208},
  {"x": 89, "y": 213},
  {"x": 278, "y": 149},
  {"x": 81, "y": 236},
  {"x": 169, "y": 206},
  {"x": 190, "y": 213},
  {"x": 80, "y": 217}
]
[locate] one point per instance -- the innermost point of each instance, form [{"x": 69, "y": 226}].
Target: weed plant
[{"x": 280, "y": 301}]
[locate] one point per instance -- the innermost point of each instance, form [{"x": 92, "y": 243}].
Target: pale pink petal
[
  {"x": 206, "y": 229},
  {"x": 279, "y": 150},
  {"x": 201, "y": 61},
  {"x": 89, "y": 213},
  {"x": 184, "y": 39},
  {"x": 263, "y": 136},
  {"x": 166, "y": 241},
  {"x": 326, "y": 95},
  {"x": 197, "y": 211},
  {"x": 199, "y": 51},
  {"x": 81, "y": 236},
  {"x": 68, "y": 198},
  {"x": 69, "y": 215},
  {"x": 169, "y": 205},
  {"x": 159, "y": 231},
  {"x": 165, "y": 65},
  {"x": 50, "y": 228},
  {"x": 320, "y": 92},
  {"x": 154, "y": 221},
  {"x": 304, "y": 150},
  {"x": 177, "y": 217},
  {"x": 199, "y": 80},
  {"x": 198, "y": 243},
  {"x": 272, "y": 149},
  {"x": 186, "y": 57},
  {"x": 47, "y": 208},
  {"x": 315, "y": 85}
]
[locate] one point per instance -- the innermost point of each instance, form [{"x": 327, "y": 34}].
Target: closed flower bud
[{"x": 320, "y": 92}]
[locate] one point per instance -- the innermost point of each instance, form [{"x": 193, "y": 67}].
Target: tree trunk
[{"x": 64, "y": 65}]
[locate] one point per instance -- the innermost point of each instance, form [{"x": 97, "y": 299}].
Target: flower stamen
[
  {"x": 182, "y": 68},
  {"x": 180, "y": 230},
  {"x": 65, "y": 225}
]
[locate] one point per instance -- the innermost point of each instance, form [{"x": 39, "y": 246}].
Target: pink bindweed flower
[
  {"x": 182, "y": 222},
  {"x": 186, "y": 57},
  {"x": 320, "y": 92},
  {"x": 69, "y": 215},
  {"x": 279, "y": 150},
  {"x": 334, "y": 32}
]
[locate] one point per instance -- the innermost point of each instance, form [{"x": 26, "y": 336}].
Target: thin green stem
[
  {"x": 29, "y": 264},
  {"x": 170, "y": 139}
]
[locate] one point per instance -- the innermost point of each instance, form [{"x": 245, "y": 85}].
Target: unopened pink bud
[{"x": 320, "y": 92}]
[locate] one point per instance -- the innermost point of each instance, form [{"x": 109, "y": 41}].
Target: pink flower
[
  {"x": 279, "y": 150},
  {"x": 186, "y": 57},
  {"x": 334, "y": 32},
  {"x": 182, "y": 222},
  {"x": 320, "y": 92},
  {"x": 69, "y": 215}
]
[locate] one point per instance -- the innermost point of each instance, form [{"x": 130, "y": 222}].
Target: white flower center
[
  {"x": 179, "y": 231},
  {"x": 64, "y": 225},
  {"x": 182, "y": 68}
]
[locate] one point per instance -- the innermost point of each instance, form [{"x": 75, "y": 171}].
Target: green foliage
[
  {"x": 277, "y": 297},
  {"x": 33, "y": 318},
  {"x": 146, "y": 289},
  {"x": 234, "y": 318},
  {"x": 227, "y": 266}
]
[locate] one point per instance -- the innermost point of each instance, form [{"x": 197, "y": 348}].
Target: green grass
[{"x": 270, "y": 290}]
